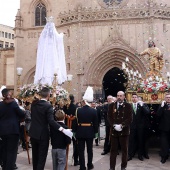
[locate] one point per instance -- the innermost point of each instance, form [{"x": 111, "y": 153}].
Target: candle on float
[
  {"x": 127, "y": 59},
  {"x": 134, "y": 74},
  {"x": 123, "y": 65},
  {"x": 127, "y": 70},
  {"x": 160, "y": 80},
  {"x": 131, "y": 71},
  {"x": 157, "y": 78},
  {"x": 150, "y": 78}
]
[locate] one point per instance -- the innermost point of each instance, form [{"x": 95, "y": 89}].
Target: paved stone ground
[{"x": 100, "y": 162}]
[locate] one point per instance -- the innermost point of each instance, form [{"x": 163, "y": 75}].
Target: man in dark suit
[
  {"x": 106, "y": 149},
  {"x": 137, "y": 129},
  {"x": 164, "y": 126},
  {"x": 86, "y": 129},
  {"x": 42, "y": 117},
  {"x": 71, "y": 110},
  {"x": 10, "y": 114},
  {"x": 120, "y": 118}
]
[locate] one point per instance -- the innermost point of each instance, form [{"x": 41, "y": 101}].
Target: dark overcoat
[{"x": 121, "y": 115}]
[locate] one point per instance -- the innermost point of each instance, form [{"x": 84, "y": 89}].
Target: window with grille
[
  {"x": 9, "y": 35},
  {"x": 40, "y": 14},
  {"x": 6, "y": 35},
  {"x": 1, "y": 44},
  {"x": 6, "y": 44},
  {"x": 12, "y": 45}
]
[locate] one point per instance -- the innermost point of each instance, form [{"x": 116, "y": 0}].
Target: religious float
[
  {"x": 50, "y": 68},
  {"x": 153, "y": 86},
  {"x": 50, "y": 72}
]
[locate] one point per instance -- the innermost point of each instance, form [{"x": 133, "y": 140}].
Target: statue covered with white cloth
[{"x": 50, "y": 56}]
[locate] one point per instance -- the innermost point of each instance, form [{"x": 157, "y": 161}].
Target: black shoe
[
  {"x": 129, "y": 158},
  {"x": 76, "y": 163},
  {"x": 140, "y": 158},
  {"x": 90, "y": 167},
  {"x": 97, "y": 144},
  {"x": 29, "y": 146},
  {"x": 123, "y": 168},
  {"x": 163, "y": 160},
  {"x": 15, "y": 167},
  {"x": 146, "y": 156},
  {"x": 104, "y": 153}
]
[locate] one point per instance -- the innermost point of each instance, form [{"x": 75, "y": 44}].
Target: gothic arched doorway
[{"x": 113, "y": 81}]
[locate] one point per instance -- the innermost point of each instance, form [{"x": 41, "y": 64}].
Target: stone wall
[{"x": 97, "y": 38}]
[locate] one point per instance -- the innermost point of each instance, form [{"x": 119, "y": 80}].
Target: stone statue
[{"x": 155, "y": 57}]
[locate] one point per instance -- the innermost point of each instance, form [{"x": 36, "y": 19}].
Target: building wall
[
  {"x": 7, "y": 67},
  {"x": 97, "y": 38},
  {"x": 6, "y": 36}
]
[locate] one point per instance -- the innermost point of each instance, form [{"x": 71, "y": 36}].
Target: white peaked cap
[
  {"x": 2, "y": 87},
  {"x": 88, "y": 95}
]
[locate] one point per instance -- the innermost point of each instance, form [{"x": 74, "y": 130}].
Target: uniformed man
[
  {"x": 120, "y": 118},
  {"x": 85, "y": 129}
]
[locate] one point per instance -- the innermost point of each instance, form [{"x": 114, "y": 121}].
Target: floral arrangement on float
[
  {"x": 29, "y": 92},
  {"x": 147, "y": 86}
]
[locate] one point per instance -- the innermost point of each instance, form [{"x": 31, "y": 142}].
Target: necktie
[
  {"x": 119, "y": 105},
  {"x": 134, "y": 107}
]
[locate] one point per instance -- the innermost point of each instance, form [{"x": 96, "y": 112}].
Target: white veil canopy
[{"x": 50, "y": 56}]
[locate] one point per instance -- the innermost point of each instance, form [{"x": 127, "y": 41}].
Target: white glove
[
  {"x": 67, "y": 132},
  {"x": 141, "y": 103},
  {"x": 117, "y": 127},
  {"x": 163, "y": 103}
]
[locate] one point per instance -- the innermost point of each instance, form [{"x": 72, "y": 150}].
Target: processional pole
[{"x": 19, "y": 73}]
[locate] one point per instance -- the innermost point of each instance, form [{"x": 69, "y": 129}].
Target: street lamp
[
  {"x": 19, "y": 72},
  {"x": 69, "y": 79}
]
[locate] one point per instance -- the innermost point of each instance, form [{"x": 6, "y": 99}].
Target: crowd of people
[{"x": 37, "y": 124}]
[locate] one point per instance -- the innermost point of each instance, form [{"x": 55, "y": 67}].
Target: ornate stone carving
[
  {"x": 85, "y": 15},
  {"x": 112, "y": 3}
]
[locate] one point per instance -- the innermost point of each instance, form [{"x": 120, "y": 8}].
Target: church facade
[{"x": 99, "y": 35}]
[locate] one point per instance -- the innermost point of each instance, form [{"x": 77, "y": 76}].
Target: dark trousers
[
  {"x": 10, "y": 147},
  {"x": 39, "y": 153},
  {"x": 22, "y": 137},
  {"x": 81, "y": 148},
  {"x": 165, "y": 139},
  {"x": 1, "y": 151},
  {"x": 136, "y": 142},
  {"x": 75, "y": 150},
  {"x": 146, "y": 141},
  {"x": 115, "y": 141},
  {"x": 107, "y": 139}
]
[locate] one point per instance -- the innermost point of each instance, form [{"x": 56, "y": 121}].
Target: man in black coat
[
  {"x": 10, "y": 114},
  {"x": 71, "y": 110},
  {"x": 120, "y": 118},
  {"x": 42, "y": 117},
  {"x": 137, "y": 128},
  {"x": 86, "y": 129},
  {"x": 110, "y": 99},
  {"x": 164, "y": 126}
]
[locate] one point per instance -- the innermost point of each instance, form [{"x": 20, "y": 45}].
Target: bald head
[{"x": 120, "y": 96}]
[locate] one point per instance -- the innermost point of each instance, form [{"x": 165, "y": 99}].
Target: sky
[{"x": 8, "y": 11}]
